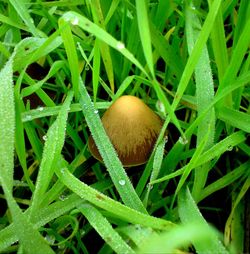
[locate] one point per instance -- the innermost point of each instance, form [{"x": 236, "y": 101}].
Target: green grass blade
[
  {"x": 23, "y": 227},
  {"x": 23, "y": 12},
  {"x": 107, "y": 151},
  {"x": 195, "y": 55},
  {"x": 235, "y": 118},
  {"x": 51, "y": 153},
  {"x": 7, "y": 125},
  {"x": 225, "y": 180},
  {"x": 235, "y": 63},
  {"x": 104, "y": 228},
  {"x": 204, "y": 94},
  {"x": 104, "y": 48},
  {"x": 100, "y": 200},
  {"x": 70, "y": 48},
  {"x": 143, "y": 25},
  {"x": 219, "y": 44},
  {"x": 189, "y": 213}
]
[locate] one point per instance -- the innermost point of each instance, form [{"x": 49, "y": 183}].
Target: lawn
[{"x": 64, "y": 65}]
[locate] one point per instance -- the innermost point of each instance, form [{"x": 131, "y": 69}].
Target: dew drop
[
  {"x": 87, "y": 68},
  {"x": 63, "y": 170},
  {"x": 45, "y": 137},
  {"x": 75, "y": 21},
  {"x": 166, "y": 139},
  {"x": 28, "y": 117},
  {"x": 40, "y": 108},
  {"x": 63, "y": 197},
  {"x": 137, "y": 227},
  {"x": 122, "y": 182},
  {"x": 183, "y": 140},
  {"x": 120, "y": 45},
  {"x": 50, "y": 239},
  {"x": 160, "y": 107},
  {"x": 96, "y": 111},
  {"x": 150, "y": 186},
  {"x": 230, "y": 148}
]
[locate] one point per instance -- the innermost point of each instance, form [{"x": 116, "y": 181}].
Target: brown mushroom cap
[{"x": 132, "y": 128}]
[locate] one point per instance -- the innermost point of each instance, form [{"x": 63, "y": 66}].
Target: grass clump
[{"x": 62, "y": 64}]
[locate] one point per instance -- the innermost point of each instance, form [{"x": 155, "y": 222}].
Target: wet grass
[{"x": 62, "y": 64}]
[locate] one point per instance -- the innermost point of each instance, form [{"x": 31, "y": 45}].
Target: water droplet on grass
[
  {"x": 183, "y": 140},
  {"x": 50, "y": 239},
  {"x": 160, "y": 107},
  {"x": 96, "y": 111},
  {"x": 230, "y": 148},
  {"x": 45, "y": 137},
  {"x": 28, "y": 117},
  {"x": 120, "y": 45},
  {"x": 40, "y": 108},
  {"x": 75, "y": 21},
  {"x": 122, "y": 182}
]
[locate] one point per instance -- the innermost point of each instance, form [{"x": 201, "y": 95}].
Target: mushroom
[{"x": 132, "y": 128}]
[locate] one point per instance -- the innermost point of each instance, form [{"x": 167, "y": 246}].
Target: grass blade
[
  {"x": 100, "y": 200},
  {"x": 143, "y": 25},
  {"x": 104, "y": 228},
  {"x": 189, "y": 213},
  {"x": 110, "y": 158},
  {"x": 51, "y": 153}
]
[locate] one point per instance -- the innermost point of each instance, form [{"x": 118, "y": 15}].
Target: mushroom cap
[{"x": 132, "y": 128}]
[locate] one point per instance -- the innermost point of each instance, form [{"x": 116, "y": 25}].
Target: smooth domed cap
[{"x": 132, "y": 128}]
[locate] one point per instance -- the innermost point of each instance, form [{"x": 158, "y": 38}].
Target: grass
[{"x": 62, "y": 64}]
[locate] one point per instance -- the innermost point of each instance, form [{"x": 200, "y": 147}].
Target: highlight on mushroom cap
[{"x": 132, "y": 128}]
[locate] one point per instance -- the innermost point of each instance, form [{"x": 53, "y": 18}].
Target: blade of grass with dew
[
  {"x": 225, "y": 180},
  {"x": 104, "y": 48},
  {"x": 157, "y": 162},
  {"x": 104, "y": 229},
  {"x": 204, "y": 94},
  {"x": 23, "y": 227},
  {"x": 51, "y": 153},
  {"x": 234, "y": 118},
  {"x": 100, "y": 200},
  {"x": 195, "y": 55},
  {"x": 144, "y": 31},
  {"x": 108, "y": 153},
  {"x": 70, "y": 48},
  {"x": 189, "y": 213},
  {"x": 92, "y": 28},
  {"x": 23, "y": 12}
]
